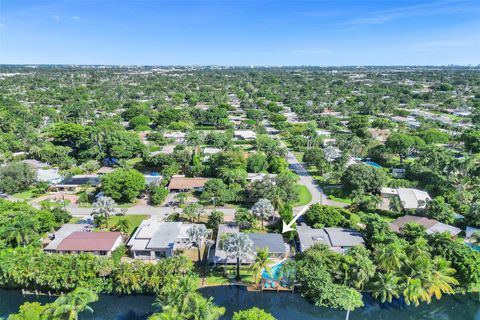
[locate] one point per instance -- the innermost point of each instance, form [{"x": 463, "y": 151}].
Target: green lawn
[
  {"x": 337, "y": 194},
  {"x": 304, "y": 195},
  {"x": 26, "y": 195},
  {"x": 135, "y": 220},
  {"x": 215, "y": 277}
]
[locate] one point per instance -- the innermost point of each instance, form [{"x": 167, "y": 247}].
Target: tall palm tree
[
  {"x": 123, "y": 225},
  {"x": 237, "y": 246},
  {"x": 396, "y": 204},
  {"x": 168, "y": 313},
  {"x": 181, "y": 197},
  {"x": 104, "y": 209},
  {"x": 68, "y": 306},
  {"x": 390, "y": 257},
  {"x": 205, "y": 309},
  {"x": 414, "y": 292},
  {"x": 262, "y": 261},
  {"x": 244, "y": 218},
  {"x": 192, "y": 211},
  {"x": 263, "y": 209},
  {"x": 385, "y": 287},
  {"x": 198, "y": 235},
  {"x": 178, "y": 293},
  {"x": 440, "y": 279}
]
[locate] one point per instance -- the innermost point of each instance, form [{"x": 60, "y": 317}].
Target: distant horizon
[
  {"x": 241, "y": 32},
  {"x": 235, "y": 66}
]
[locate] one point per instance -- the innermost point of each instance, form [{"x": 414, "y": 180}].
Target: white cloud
[
  {"x": 56, "y": 18},
  {"x": 75, "y": 18}
]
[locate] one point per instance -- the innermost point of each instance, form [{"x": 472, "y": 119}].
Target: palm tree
[
  {"x": 68, "y": 306},
  {"x": 385, "y": 287},
  {"x": 123, "y": 225},
  {"x": 353, "y": 300},
  {"x": 396, "y": 204},
  {"x": 440, "y": 279},
  {"x": 22, "y": 231},
  {"x": 198, "y": 235},
  {"x": 237, "y": 246},
  {"x": 178, "y": 293},
  {"x": 104, "y": 208},
  {"x": 205, "y": 309},
  {"x": 415, "y": 292},
  {"x": 263, "y": 209},
  {"x": 390, "y": 257},
  {"x": 244, "y": 218},
  {"x": 262, "y": 261},
  {"x": 168, "y": 313},
  {"x": 181, "y": 197},
  {"x": 192, "y": 211},
  {"x": 194, "y": 140}
]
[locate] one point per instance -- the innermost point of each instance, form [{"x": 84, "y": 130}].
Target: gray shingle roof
[{"x": 272, "y": 241}]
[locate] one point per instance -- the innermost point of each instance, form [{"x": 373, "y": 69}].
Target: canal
[{"x": 281, "y": 305}]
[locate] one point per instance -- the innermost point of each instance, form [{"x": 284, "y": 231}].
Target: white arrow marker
[{"x": 288, "y": 227}]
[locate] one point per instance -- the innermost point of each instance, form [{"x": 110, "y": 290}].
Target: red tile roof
[
  {"x": 89, "y": 241},
  {"x": 186, "y": 183}
]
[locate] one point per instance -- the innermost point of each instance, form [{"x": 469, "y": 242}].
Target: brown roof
[
  {"x": 399, "y": 223},
  {"x": 186, "y": 183},
  {"x": 89, "y": 241}
]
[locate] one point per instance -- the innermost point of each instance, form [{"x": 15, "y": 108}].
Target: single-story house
[
  {"x": 44, "y": 172},
  {"x": 75, "y": 183},
  {"x": 155, "y": 239},
  {"x": 379, "y": 134},
  {"x": 338, "y": 239},
  {"x": 245, "y": 135},
  {"x": 431, "y": 225},
  {"x": 398, "y": 173},
  {"x": 104, "y": 170},
  {"x": 273, "y": 241},
  {"x": 207, "y": 152},
  {"x": 177, "y": 136},
  {"x": 152, "y": 179},
  {"x": 181, "y": 183},
  {"x": 259, "y": 176},
  {"x": 52, "y": 242},
  {"x": 97, "y": 243},
  {"x": 409, "y": 198}
]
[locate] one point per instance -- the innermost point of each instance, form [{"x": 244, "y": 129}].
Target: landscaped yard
[
  {"x": 26, "y": 195},
  {"x": 337, "y": 194},
  {"x": 135, "y": 220},
  {"x": 304, "y": 195},
  {"x": 215, "y": 276}
]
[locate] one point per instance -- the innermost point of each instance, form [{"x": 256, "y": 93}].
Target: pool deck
[{"x": 260, "y": 287}]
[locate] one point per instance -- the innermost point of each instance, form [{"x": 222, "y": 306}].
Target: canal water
[{"x": 282, "y": 305}]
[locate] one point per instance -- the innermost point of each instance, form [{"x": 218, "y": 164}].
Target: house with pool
[
  {"x": 338, "y": 239},
  {"x": 272, "y": 241}
]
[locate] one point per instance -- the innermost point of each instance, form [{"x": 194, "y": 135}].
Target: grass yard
[
  {"x": 304, "y": 195},
  {"x": 26, "y": 195},
  {"x": 337, "y": 194},
  {"x": 215, "y": 276},
  {"x": 135, "y": 220}
]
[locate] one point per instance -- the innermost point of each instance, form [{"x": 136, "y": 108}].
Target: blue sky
[{"x": 249, "y": 32}]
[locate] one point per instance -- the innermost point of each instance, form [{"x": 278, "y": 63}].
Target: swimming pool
[
  {"x": 373, "y": 164},
  {"x": 275, "y": 272},
  {"x": 476, "y": 248}
]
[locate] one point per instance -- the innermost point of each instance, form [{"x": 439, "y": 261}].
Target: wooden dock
[{"x": 260, "y": 287}]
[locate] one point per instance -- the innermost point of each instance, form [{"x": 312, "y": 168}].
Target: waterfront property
[
  {"x": 97, "y": 243},
  {"x": 431, "y": 225},
  {"x": 338, "y": 239},
  {"x": 277, "y": 248},
  {"x": 53, "y": 240},
  {"x": 156, "y": 239}
]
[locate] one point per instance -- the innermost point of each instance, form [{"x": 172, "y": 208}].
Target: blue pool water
[
  {"x": 477, "y": 248},
  {"x": 275, "y": 272},
  {"x": 373, "y": 164}
]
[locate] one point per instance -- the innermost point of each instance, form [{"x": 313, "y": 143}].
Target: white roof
[
  {"x": 66, "y": 230},
  {"x": 442, "y": 227},
  {"x": 410, "y": 198},
  {"x": 48, "y": 175}
]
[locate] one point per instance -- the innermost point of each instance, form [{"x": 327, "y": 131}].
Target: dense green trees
[
  {"x": 403, "y": 144},
  {"x": 123, "y": 185},
  {"x": 252, "y": 314},
  {"x": 320, "y": 216},
  {"x": 30, "y": 268},
  {"x": 16, "y": 177},
  {"x": 21, "y": 224},
  {"x": 362, "y": 178}
]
